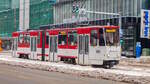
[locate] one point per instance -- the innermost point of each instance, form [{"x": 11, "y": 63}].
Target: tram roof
[
  {"x": 107, "y": 27},
  {"x": 83, "y": 27}
]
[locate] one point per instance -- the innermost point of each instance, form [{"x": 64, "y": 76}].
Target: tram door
[
  {"x": 53, "y": 48},
  {"x": 33, "y": 47},
  {"x": 14, "y": 47},
  {"x": 83, "y": 49}
]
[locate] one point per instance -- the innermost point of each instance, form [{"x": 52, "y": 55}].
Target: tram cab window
[
  {"x": 21, "y": 38},
  {"x": 72, "y": 38},
  {"x": 94, "y": 37},
  {"x": 101, "y": 37},
  {"x": 62, "y": 38},
  {"x": 27, "y": 39},
  {"x": 112, "y": 37}
]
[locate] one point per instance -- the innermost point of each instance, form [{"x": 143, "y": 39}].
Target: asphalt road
[{"x": 18, "y": 75}]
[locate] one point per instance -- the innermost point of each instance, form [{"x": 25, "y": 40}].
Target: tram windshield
[
  {"x": 27, "y": 39},
  {"x": 112, "y": 37},
  {"x": 20, "y": 39}
]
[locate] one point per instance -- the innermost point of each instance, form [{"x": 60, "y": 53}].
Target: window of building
[
  {"x": 72, "y": 38},
  {"x": 62, "y": 38},
  {"x": 94, "y": 37}
]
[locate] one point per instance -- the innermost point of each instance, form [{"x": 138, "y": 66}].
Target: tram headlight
[{"x": 108, "y": 55}]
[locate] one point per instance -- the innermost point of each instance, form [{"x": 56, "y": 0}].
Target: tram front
[{"x": 113, "y": 48}]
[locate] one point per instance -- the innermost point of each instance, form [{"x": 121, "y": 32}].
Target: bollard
[{"x": 138, "y": 50}]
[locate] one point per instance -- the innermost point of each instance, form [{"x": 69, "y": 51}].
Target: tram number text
[{"x": 98, "y": 51}]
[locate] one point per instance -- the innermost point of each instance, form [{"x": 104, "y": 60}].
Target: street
[{"x": 18, "y": 75}]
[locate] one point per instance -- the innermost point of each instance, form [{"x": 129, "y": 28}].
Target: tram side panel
[
  {"x": 47, "y": 58},
  {"x": 113, "y": 53},
  {"x": 33, "y": 44},
  {"x": 67, "y": 46},
  {"x": 53, "y": 48},
  {"x": 97, "y": 47},
  {"x": 42, "y": 46},
  {"x": 83, "y": 46}
]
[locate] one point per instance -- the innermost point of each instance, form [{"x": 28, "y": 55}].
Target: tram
[{"x": 90, "y": 45}]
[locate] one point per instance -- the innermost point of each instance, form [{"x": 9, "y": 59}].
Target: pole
[
  {"x": 43, "y": 46},
  {"x": 106, "y": 13}
]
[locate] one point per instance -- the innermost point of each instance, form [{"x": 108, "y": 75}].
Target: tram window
[
  {"x": 101, "y": 38},
  {"x": 94, "y": 37},
  {"x": 87, "y": 44},
  {"x": 55, "y": 44},
  {"x": 35, "y": 46},
  {"x": 62, "y": 38},
  {"x": 38, "y": 39},
  {"x": 13, "y": 44},
  {"x": 47, "y": 38},
  {"x": 72, "y": 38}
]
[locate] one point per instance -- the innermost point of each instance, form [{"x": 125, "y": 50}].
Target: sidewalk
[
  {"x": 143, "y": 62},
  {"x": 118, "y": 73}
]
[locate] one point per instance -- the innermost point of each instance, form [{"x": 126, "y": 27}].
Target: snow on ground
[{"x": 118, "y": 73}]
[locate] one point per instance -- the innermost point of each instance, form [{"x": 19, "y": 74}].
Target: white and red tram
[{"x": 91, "y": 45}]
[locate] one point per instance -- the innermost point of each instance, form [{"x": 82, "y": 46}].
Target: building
[
  {"x": 67, "y": 11},
  {"x": 8, "y": 15},
  {"x": 34, "y": 13},
  {"x": 9, "y": 20},
  {"x": 127, "y": 8},
  {"x": 16, "y": 15}
]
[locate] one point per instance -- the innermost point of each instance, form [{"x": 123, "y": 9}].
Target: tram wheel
[
  {"x": 108, "y": 65},
  {"x": 65, "y": 60},
  {"x": 26, "y": 57},
  {"x": 73, "y": 61},
  {"x": 20, "y": 56}
]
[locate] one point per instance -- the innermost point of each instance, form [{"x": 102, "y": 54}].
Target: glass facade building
[
  {"x": 41, "y": 13},
  {"x": 9, "y": 17}
]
